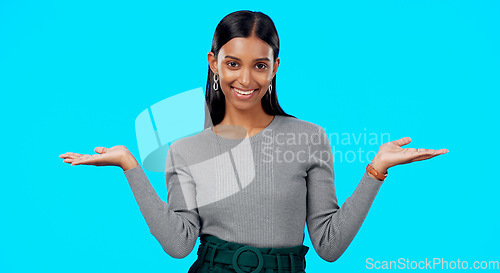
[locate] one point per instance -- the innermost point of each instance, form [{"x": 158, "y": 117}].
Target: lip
[{"x": 244, "y": 97}]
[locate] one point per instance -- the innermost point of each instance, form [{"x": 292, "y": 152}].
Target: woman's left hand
[{"x": 391, "y": 154}]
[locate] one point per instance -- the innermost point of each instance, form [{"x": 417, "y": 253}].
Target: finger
[
  {"x": 422, "y": 151},
  {"x": 440, "y": 151},
  {"x": 430, "y": 151},
  {"x": 85, "y": 155},
  {"x": 101, "y": 150},
  {"x": 423, "y": 157},
  {"x": 427, "y": 154},
  {"x": 402, "y": 141},
  {"x": 69, "y": 160},
  {"x": 70, "y": 154},
  {"x": 412, "y": 152},
  {"x": 64, "y": 155},
  {"x": 88, "y": 157},
  {"x": 77, "y": 156},
  {"x": 84, "y": 159}
]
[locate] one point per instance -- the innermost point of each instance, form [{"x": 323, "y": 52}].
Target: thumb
[
  {"x": 402, "y": 141},
  {"x": 100, "y": 150}
]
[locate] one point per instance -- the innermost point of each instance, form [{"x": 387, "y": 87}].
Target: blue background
[{"x": 75, "y": 74}]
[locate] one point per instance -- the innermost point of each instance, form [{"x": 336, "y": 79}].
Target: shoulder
[
  {"x": 292, "y": 124},
  {"x": 190, "y": 144}
]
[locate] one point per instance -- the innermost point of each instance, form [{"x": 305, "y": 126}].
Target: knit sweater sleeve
[
  {"x": 175, "y": 225},
  {"x": 332, "y": 228}
]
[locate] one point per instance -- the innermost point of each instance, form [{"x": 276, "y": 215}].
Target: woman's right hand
[{"x": 115, "y": 156}]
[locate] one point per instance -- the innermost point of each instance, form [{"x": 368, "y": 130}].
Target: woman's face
[{"x": 244, "y": 64}]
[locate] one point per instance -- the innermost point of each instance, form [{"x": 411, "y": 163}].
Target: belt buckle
[{"x": 247, "y": 248}]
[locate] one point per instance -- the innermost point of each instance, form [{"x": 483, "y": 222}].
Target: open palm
[
  {"x": 104, "y": 157},
  {"x": 392, "y": 154}
]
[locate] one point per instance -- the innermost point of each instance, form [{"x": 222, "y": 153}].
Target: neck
[{"x": 253, "y": 121}]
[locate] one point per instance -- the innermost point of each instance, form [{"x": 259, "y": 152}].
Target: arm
[
  {"x": 174, "y": 225},
  {"x": 331, "y": 228}
]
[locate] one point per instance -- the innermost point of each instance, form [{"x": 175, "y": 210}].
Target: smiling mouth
[{"x": 243, "y": 91}]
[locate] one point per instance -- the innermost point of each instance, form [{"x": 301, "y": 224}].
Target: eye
[
  {"x": 262, "y": 66},
  {"x": 229, "y": 63}
]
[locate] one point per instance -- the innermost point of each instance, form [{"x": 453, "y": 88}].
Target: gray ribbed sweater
[{"x": 258, "y": 191}]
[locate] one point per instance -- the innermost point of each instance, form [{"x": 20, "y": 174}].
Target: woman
[{"x": 248, "y": 185}]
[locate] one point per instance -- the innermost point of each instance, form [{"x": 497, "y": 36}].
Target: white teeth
[{"x": 243, "y": 92}]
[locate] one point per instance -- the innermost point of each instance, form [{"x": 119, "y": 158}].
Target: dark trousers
[{"x": 218, "y": 256}]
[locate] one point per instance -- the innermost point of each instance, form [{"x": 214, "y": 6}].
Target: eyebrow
[{"x": 238, "y": 59}]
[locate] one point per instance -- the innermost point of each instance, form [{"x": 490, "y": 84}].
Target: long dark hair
[{"x": 240, "y": 24}]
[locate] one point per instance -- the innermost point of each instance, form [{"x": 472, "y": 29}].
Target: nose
[{"x": 245, "y": 77}]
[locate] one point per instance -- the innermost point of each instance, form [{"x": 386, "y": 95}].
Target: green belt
[{"x": 215, "y": 250}]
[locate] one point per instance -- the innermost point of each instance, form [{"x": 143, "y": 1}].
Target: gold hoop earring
[{"x": 270, "y": 89}]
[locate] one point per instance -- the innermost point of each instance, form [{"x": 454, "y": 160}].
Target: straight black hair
[{"x": 240, "y": 24}]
